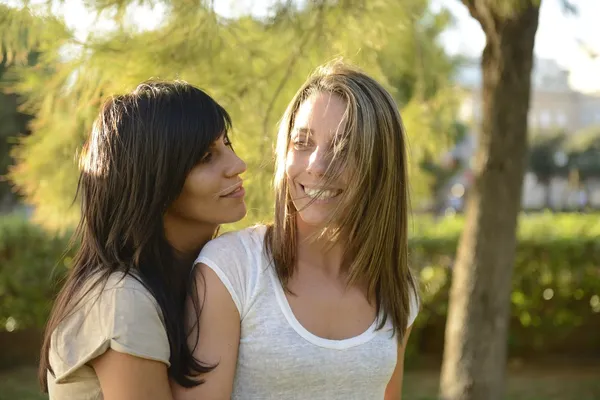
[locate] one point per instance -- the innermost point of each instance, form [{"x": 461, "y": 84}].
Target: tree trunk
[
  {"x": 548, "y": 194},
  {"x": 476, "y": 332}
]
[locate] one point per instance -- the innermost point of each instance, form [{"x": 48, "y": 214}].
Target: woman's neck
[
  {"x": 187, "y": 237},
  {"x": 319, "y": 251}
]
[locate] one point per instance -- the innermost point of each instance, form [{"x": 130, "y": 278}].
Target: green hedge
[
  {"x": 556, "y": 283},
  {"x": 31, "y": 264},
  {"x": 555, "y": 300}
]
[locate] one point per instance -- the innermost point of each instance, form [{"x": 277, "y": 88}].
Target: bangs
[
  {"x": 183, "y": 119},
  {"x": 208, "y": 125}
]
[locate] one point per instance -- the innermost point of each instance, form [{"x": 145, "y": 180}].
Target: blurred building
[{"x": 554, "y": 106}]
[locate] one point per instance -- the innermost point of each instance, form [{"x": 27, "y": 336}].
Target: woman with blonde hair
[{"x": 319, "y": 304}]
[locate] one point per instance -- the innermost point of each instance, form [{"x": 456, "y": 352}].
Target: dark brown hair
[{"x": 142, "y": 146}]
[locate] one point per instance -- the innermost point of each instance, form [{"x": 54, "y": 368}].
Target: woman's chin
[
  {"x": 236, "y": 214},
  {"x": 313, "y": 219}
]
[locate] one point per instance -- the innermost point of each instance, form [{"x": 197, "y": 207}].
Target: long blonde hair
[{"x": 372, "y": 216}]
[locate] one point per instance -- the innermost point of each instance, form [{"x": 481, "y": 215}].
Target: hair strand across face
[{"x": 371, "y": 218}]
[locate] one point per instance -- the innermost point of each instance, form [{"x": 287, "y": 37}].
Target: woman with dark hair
[{"x": 158, "y": 176}]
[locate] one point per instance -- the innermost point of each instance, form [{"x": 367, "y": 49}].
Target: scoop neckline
[{"x": 338, "y": 344}]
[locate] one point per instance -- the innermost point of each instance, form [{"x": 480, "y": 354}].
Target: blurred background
[{"x": 60, "y": 59}]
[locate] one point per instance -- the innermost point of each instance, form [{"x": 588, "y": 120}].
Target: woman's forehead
[{"x": 322, "y": 114}]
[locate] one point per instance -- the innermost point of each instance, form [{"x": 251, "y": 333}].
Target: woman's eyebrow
[{"x": 306, "y": 131}]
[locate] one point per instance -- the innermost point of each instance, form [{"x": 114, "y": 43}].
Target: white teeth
[{"x": 321, "y": 194}]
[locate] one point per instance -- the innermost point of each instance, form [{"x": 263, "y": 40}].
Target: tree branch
[
  {"x": 484, "y": 15},
  {"x": 290, "y": 68}
]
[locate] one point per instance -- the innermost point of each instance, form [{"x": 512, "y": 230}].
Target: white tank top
[{"x": 278, "y": 358}]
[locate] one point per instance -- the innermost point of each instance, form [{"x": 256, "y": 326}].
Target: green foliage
[
  {"x": 31, "y": 263},
  {"x": 543, "y": 148},
  {"x": 581, "y": 151},
  {"x": 23, "y": 39},
  {"x": 23, "y": 30},
  {"x": 12, "y": 123},
  {"x": 251, "y": 66},
  {"x": 556, "y": 280},
  {"x": 20, "y": 383}
]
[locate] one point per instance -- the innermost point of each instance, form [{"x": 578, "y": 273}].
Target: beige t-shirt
[{"x": 124, "y": 317}]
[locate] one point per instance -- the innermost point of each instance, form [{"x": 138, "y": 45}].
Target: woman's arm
[
  {"x": 126, "y": 377},
  {"x": 393, "y": 390},
  {"x": 218, "y": 341}
]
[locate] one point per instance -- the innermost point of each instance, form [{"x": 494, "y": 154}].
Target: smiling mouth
[
  {"x": 234, "y": 191},
  {"x": 320, "y": 194}
]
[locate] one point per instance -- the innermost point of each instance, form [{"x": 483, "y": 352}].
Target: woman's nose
[
  {"x": 237, "y": 167},
  {"x": 317, "y": 163}
]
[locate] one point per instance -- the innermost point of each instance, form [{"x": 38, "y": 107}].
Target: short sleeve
[
  {"x": 232, "y": 256},
  {"x": 123, "y": 317}
]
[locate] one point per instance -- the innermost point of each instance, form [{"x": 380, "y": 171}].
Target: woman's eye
[
  {"x": 300, "y": 144},
  {"x": 207, "y": 157}
]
